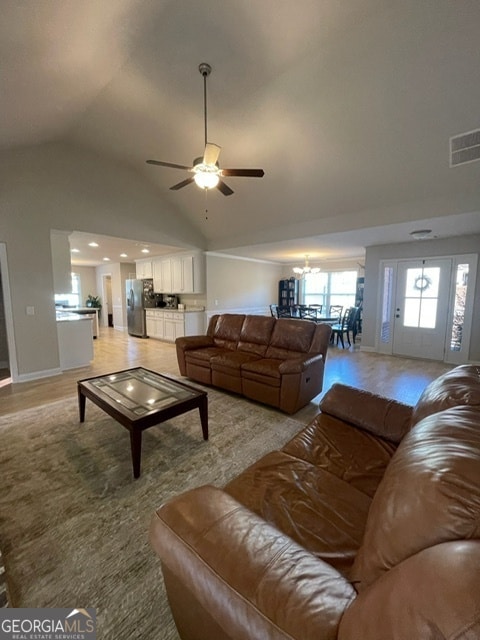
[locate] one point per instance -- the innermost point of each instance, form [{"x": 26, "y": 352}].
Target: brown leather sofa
[
  {"x": 365, "y": 526},
  {"x": 277, "y": 362}
]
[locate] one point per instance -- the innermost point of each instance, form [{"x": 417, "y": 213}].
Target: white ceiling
[{"x": 347, "y": 106}]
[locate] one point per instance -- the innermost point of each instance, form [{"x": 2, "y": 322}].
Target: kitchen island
[{"x": 75, "y": 340}]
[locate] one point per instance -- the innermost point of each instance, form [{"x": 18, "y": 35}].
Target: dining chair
[
  {"x": 284, "y": 311},
  {"x": 335, "y": 311},
  {"x": 309, "y": 313},
  {"x": 345, "y": 326}
]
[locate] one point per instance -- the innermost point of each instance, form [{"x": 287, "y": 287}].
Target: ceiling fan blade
[
  {"x": 181, "y": 184},
  {"x": 212, "y": 151},
  {"x": 224, "y": 188},
  {"x": 249, "y": 173},
  {"x": 168, "y": 164}
]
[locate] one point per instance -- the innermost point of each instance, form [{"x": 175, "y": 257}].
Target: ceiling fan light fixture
[{"x": 206, "y": 177}]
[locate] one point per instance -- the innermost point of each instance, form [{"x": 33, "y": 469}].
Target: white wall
[
  {"x": 240, "y": 284},
  {"x": 412, "y": 250},
  {"x": 56, "y": 186},
  {"x": 88, "y": 282}
]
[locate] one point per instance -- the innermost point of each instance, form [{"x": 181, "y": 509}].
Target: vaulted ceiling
[{"x": 347, "y": 106}]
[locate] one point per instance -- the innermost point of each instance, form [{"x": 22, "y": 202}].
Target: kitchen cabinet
[
  {"x": 174, "y": 326},
  {"x": 170, "y": 325},
  {"x": 144, "y": 269},
  {"x": 179, "y": 274},
  {"x": 162, "y": 275},
  {"x": 75, "y": 342},
  {"x": 155, "y": 323},
  {"x": 183, "y": 275}
]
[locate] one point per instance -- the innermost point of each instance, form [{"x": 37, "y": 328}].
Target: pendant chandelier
[{"x": 302, "y": 271}]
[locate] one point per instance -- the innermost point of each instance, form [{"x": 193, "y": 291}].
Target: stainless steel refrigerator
[{"x": 136, "y": 320}]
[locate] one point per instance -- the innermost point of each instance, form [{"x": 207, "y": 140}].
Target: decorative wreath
[{"x": 422, "y": 282}]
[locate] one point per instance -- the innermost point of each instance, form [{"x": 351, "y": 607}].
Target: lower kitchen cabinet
[{"x": 170, "y": 325}]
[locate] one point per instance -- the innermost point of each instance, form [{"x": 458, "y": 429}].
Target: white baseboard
[
  {"x": 368, "y": 349},
  {"x": 35, "y": 375}
]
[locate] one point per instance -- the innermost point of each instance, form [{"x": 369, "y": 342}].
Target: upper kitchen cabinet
[
  {"x": 144, "y": 269},
  {"x": 183, "y": 273},
  {"x": 162, "y": 275},
  {"x": 61, "y": 262}
]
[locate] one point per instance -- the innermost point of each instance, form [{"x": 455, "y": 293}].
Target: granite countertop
[{"x": 66, "y": 316}]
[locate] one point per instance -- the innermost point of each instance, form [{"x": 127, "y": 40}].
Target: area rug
[{"x": 74, "y": 523}]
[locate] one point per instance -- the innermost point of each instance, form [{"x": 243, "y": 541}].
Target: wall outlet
[{"x": 30, "y": 311}]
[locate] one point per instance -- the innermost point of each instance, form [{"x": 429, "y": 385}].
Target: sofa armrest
[
  {"x": 249, "y": 579},
  {"x": 377, "y": 414},
  {"x": 299, "y": 363},
  {"x": 186, "y": 343}
]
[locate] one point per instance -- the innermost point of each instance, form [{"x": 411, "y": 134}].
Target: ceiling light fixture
[
  {"x": 123, "y": 255},
  {"x": 106, "y": 259},
  {"x": 302, "y": 271},
  {"x": 145, "y": 250},
  {"x": 75, "y": 251},
  {"x": 206, "y": 176},
  {"x": 420, "y": 234},
  {"x": 92, "y": 244}
]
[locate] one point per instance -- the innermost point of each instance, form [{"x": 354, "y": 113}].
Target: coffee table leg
[
  {"x": 203, "y": 408},
  {"x": 136, "y": 447},
  {"x": 81, "y": 405}
]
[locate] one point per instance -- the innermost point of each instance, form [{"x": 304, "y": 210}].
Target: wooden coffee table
[{"x": 138, "y": 399}]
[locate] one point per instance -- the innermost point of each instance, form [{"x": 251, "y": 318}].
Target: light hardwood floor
[{"x": 399, "y": 378}]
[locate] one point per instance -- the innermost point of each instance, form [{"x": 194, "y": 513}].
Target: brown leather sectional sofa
[
  {"x": 365, "y": 526},
  {"x": 277, "y": 362}
]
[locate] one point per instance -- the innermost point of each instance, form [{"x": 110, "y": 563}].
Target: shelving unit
[{"x": 288, "y": 292}]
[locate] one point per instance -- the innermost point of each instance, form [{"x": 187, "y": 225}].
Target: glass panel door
[{"x": 421, "y": 308}]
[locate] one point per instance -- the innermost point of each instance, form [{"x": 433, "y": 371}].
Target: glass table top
[{"x": 140, "y": 390}]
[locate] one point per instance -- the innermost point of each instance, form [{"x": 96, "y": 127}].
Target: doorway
[
  {"x": 107, "y": 300},
  {"x": 8, "y": 363},
  {"x": 421, "y": 308},
  {"x": 426, "y": 308}
]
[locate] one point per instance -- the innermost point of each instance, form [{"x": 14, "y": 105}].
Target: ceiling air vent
[{"x": 465, "y": 148}]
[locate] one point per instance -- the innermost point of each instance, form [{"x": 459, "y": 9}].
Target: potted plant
[{"x": 94, "y": 302}]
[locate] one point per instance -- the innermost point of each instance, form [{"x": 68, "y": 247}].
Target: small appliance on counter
[{"x": 171, "y": 301}]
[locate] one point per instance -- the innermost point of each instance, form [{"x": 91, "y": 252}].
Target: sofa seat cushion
[
  {"x": 317, "y": 509},
  {"x": 430, "y": 494},
  {"x": 203, "y": 356},
  {"x": 231, "y": 361},
  {"x": 354, "y": 455},
  {"x": 265, "y": 370}
]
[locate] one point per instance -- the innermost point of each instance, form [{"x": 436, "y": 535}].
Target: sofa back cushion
[
  {"x": 255, "y": 334},
  {"x": 227, "y": 330},
  {"x": 460, "y": 386},
  {"x": 430, "y": 494},
  {"x": 290, "y": 338}
]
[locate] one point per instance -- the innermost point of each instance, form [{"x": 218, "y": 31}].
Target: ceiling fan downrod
[{"x": 205, "y": 69}]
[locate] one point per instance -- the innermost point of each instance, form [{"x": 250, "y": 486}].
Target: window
[
  {"x": 461, "y": 282},
  {"x": 331, "y": 287},
  {"x": 71, "y": 299}
]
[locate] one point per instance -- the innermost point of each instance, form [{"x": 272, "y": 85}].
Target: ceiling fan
[{"x": 207, "y": 173}]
